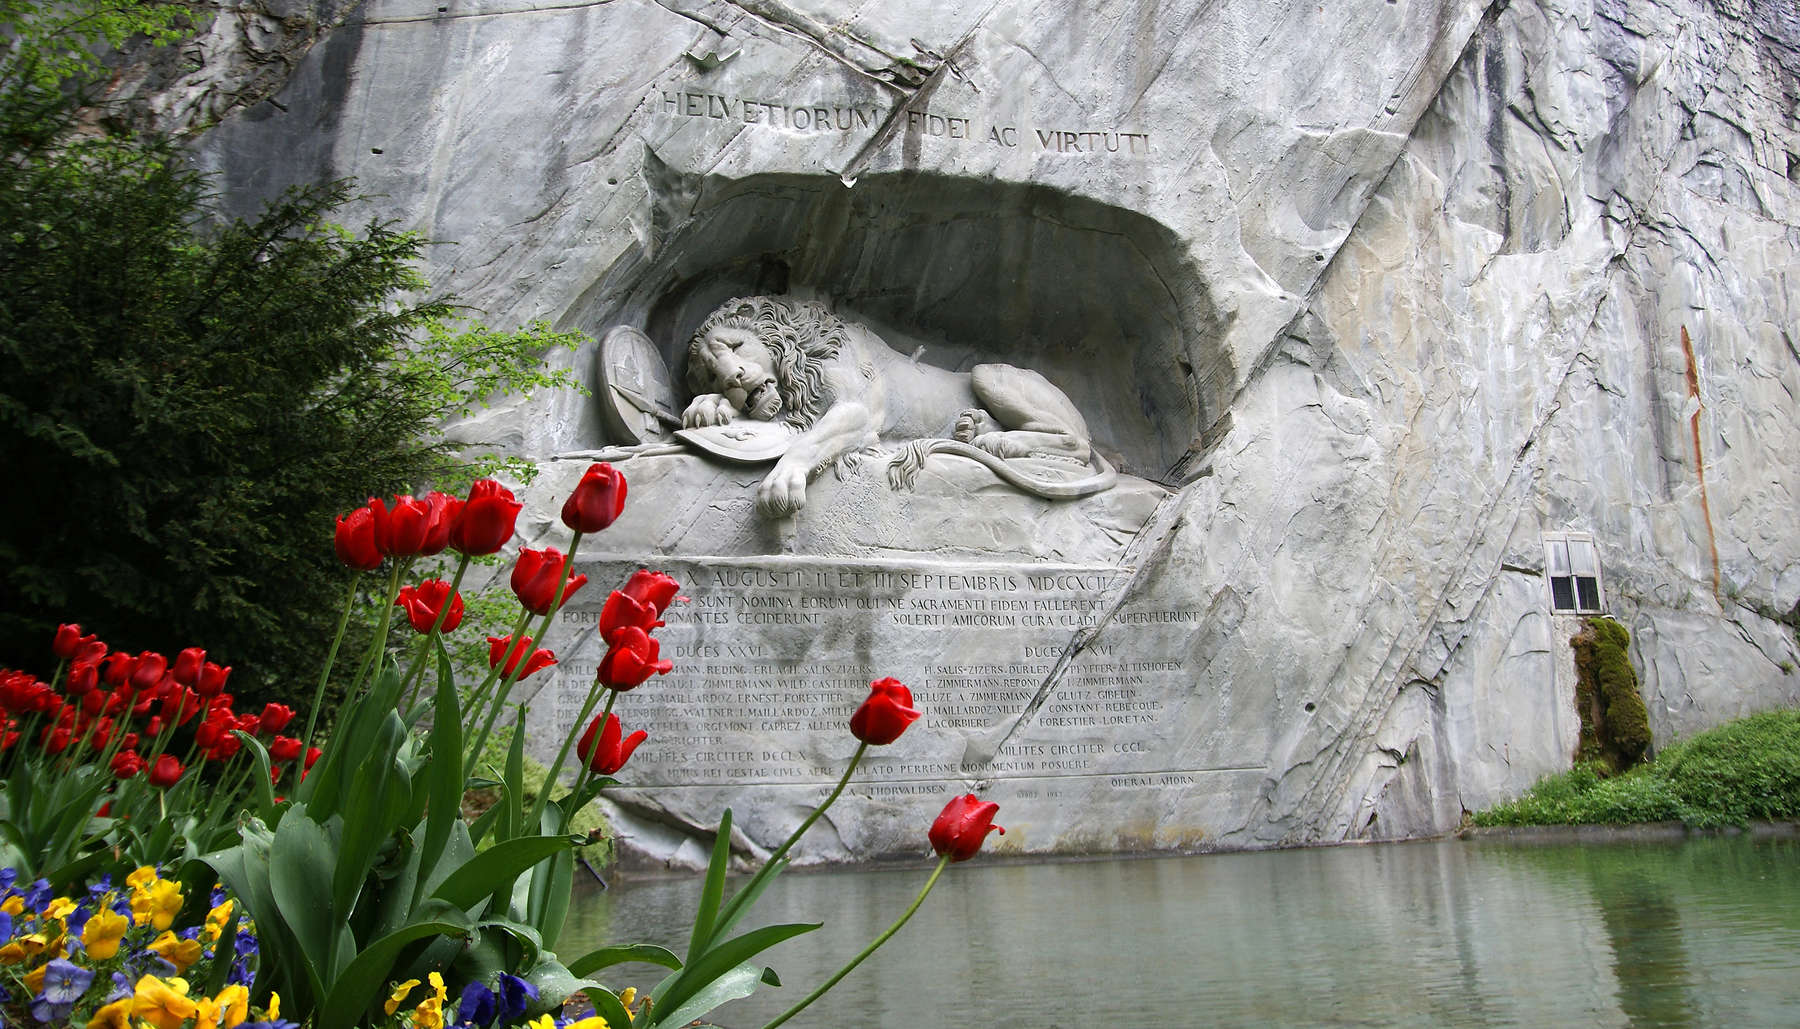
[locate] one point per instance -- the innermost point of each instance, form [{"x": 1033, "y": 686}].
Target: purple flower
[
  {"x": 478, "y": 1006},
  {"x": 65, "y": 982},
  {"x": 122, "y": 987},
  {"x": 515, "y": 995}
]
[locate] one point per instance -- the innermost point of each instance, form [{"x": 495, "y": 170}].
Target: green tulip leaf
[
  {"x": 714, "y": 889},
  {"x": 606, "y": 957},
  {"x": 734, "y": 984},
  {"x": 722, "y": 959},
  {"x": 444, "y": 775},
  {"x": 362, "y": 980},
  {"x": 502, "y": 862},
  {"x": 300, "y": 862}
]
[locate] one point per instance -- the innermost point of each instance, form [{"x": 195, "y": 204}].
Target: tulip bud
[
  {"x": 187, "y": 666},
  {"x": 634, "y": 657},
  {"x": 485, "y": 522},
  {"x": 656, "y": 589},
  {"x": 964, "y": 823},
  {"x": 355, "y": 539},
  {"x": 535, "y": 577},
  {"x": 608, "y": 753},
  {"x": 597, "y": 501},
  {"x": 149, "y": 670},
  {"x": 165, "y": 772},
  {"x": 885, "y": 714}
]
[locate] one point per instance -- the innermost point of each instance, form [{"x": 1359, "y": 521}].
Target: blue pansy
[
  {"x": 515, "y": 995},
  {"x": 65, "y": 982},
  {"x": 478, "y": 1006}
]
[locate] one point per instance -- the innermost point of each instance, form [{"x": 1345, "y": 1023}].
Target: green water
[{"x": 1700, "y": 933}]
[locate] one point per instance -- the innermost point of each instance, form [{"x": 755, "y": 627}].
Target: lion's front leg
[{"x": 845, "y": 427}]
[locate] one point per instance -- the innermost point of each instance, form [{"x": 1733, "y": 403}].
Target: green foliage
[
  {"x": 45, "y": 44},
  {"x": 1742, "y": 770},
  {"x": 186, "y": 402},
  {"x": 1615, "y": 725}
]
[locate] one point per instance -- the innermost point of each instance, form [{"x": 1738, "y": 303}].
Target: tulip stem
[
  {"x": 516, "y": 657},
  {"x": 372, "y": 659},
  {"x": 810, "y": 819},
  {"x": 312, "y": 714},
  {"x": 943, "y": 863},
  {"x": 587, "y": 708}
]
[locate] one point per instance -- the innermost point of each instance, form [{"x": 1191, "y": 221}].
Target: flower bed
[{"x": 371, "y": 900}]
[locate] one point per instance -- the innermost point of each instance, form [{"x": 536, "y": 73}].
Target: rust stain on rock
[{"x": 1693, "y": 385}]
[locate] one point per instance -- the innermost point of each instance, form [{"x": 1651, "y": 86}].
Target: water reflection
[{"x": 1701, "y": 933}]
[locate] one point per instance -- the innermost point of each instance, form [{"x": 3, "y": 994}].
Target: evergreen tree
[{"x": 186, "y": 401}]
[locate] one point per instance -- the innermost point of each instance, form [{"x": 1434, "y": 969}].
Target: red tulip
[
  {"x": 275, "y": 717},
  {"x": 885, "y": 714},
  {"x": 535, "y": 577},
  {"x": 56, "y": 739},
  {"x": 69, "y": 642},
  {"x": 486, "y": 520},
  {"x": 611, "y": 753},
  {"x": 440, "y": 513},
  {"x": 83, "y": 677},
  {"x": 118, "y": 668},
  {"x": 212, "y": 680},
  {"x": 149, "y": 670},
  {"x": 355, "y": 539},
  {"x": 656, "y": 589},
  {"x": 621, "y": 612},
  {"x": 126, "y": 764},
  {"x": 187, "y": 666},
  {"x": 632, "y": 659},
  {"x": 284, "y": 748},
  {"x": 165, "y": 771},
  {"x": 964, "y": 823},
  {"x": 597, "y": 500},
  {"x": 312, "y": 754},
  {"x": 539, "y": 659},
  {"x": 400, "y": 527},
  {"x": 423, "y": 602}
]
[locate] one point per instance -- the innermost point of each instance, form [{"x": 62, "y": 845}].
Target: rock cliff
[{"x": 1366, "y": 298}]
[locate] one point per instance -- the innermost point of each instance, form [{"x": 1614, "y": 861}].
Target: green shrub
[{"x": 1742, "y": 770}]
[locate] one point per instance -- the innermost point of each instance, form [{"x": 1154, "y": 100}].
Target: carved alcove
[{"x": 1098, "y": 298}]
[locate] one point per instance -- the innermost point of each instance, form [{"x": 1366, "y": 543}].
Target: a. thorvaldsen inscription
[{"x": 824, "y": 389}]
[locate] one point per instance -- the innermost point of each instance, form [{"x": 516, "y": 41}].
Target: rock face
[{"x": 1362, "y": 300}]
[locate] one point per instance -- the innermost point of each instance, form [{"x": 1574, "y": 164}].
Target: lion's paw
[
  {"x": 708, "y": 409},
  {"x": 782, "y": 492}
]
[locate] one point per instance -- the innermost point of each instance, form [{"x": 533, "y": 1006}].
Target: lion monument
[{"x": 830, "y": 389}]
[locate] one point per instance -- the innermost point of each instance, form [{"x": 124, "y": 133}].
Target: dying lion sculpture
[{"x": 839, "y": 389}]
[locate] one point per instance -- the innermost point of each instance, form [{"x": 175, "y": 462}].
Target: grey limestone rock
[{"x": 1361, "y": 300}]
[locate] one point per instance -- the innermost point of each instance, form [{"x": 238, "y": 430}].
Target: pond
[{"x": 1702, "y": 932}]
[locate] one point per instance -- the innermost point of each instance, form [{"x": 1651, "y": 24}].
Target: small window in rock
[{"x": 1573, "y": 567}]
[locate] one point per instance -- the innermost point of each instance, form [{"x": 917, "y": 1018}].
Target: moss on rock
[{"x": 1615, "y": 725}]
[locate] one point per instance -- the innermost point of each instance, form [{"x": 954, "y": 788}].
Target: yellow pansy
[
  {"x": 590, "y": 1022},
  {"x": 163, "y": 1004},
  {"x": 34, "y": 979},
  {"x": 157, "y": 904},
  {"x": 24, "y": 948},
  {"x": 627, "y": 997},
  {"x": 61, "y": 907},
  {"x": 542, "y": 1022},
  {"x": 233, "y": 1004},
  {"x": 102, "y": 933},
  {"x": 399, "y": 995},
  {"x": 216, "y": 921},
  {"x": 176, "y": 951},
  {"x": 116, "y": 1015},
  {"x": 141, "y": 878},
  {"x": 14, "y": 906},
  {"x": 274, "y": 1009},
  {"x": 429, "y": 1014}
]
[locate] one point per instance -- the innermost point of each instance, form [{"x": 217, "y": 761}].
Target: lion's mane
[{"x": 803, "y": 334}]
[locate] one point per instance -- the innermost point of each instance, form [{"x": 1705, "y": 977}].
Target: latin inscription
[
  {"x": 771, "y": 660},
  {"x": 949, "y": 128}
]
